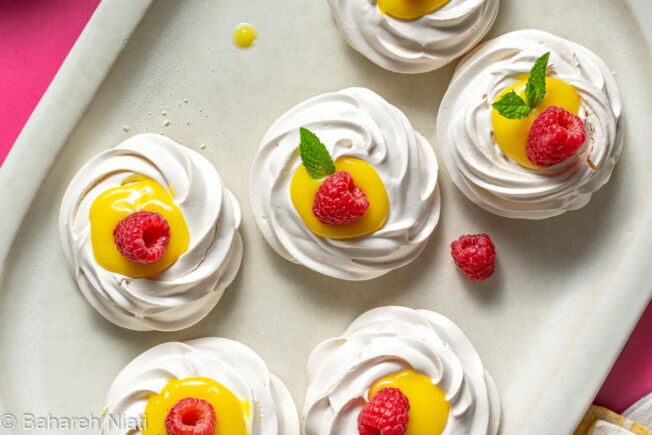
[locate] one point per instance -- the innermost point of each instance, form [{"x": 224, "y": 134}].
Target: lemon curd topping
[
  {"x": 135, "y": 194},
  {"x": 428, "y": 405},
  {"x": 303, "y": 189},
  {"x": 233, "y": 415},
  {"x": 409, "y": 9},
  {"x": 244, "y": 35},
  {"x": 511, "y": 134}
]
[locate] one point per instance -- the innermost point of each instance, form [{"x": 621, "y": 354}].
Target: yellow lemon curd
[
  {"x": 233, "y": 415},
  {"x": 409, "y": 9},
  {"x": 244, "y": 35},
  {"x": 135, "y": 194},
  {"x": 428, "y": 405},
  {"x": 511, "y": 134},
  {"x": 303, "y": 189}
]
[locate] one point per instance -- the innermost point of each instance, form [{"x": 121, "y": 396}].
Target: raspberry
[
  {"x": 387, "y": 413},
  {"x": 339, "y": 201},
  {"x": 142, "y": 237},
  {"x": 191, "y": 416},
  {"x": 475, "y": 255},
  {"x": 555, "y": 135}
]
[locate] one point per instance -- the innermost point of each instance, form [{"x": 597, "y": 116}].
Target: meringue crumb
[
  {"x": 166, "y": 123},
  {"x": 164, "y": 113},
  {"x": 125, "y": 127},
  {"x": 202, "y": 146},
  {"x": 149, "y": 113},
  {"x": 200, "y": 109},
  {"x": 185, "y": 100},
  {"x": 187, "y": 122}
]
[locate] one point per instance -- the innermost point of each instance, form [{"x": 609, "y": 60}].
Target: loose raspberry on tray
[
  {"x": 142, "y": 237},
  {"x": 191, "y": 416},
  {"x": 387, "y": 413},
  {"x": 555, "y": 135},
  {"x": 339, "y": 201},
  {"x": 475, "y": 255}
]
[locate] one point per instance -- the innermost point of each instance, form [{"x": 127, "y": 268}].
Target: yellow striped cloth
[{"x": 601, "y": 421}]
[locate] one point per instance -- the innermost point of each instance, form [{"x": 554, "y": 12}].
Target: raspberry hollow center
[{"x": 142, "y": 237}]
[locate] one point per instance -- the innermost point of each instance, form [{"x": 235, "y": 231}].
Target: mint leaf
[
  {"x": 314, "y": 155},
  {"x": 535, "y": 88},
  {"x": 512, "y": 106},
  {"x": 530, "y": 95}
]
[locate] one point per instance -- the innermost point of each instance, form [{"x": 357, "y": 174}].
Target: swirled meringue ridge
[
  {"x": 187, "y": 291},
  {"x": 386, "y": 341},
  {"x": 228, "y": 362},
  {"x": 477, "y": 165},
  {"x": 358, "y": 123},
  {"x": 414, "y": 46}
]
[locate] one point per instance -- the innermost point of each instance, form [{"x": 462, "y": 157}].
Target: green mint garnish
[
  {"x": 536, "y": 84},
  {"x": 512, "y": 106},
  {"x": 314, "y": 155}
]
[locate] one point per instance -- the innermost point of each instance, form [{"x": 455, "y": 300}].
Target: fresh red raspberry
[
  {"x": 191, "y": 416},
  {"x": 475, "y": 255},
  {"x": 339, "y": 201},
  {"x": 387, "y": 413},
  {"x": 142, "y": 237},
  {"x": 555, "y": 135}
]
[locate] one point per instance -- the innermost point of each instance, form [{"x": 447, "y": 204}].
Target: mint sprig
[
  {"x": 536, "y": 84},
  {"x": 512, "y": 106},
  {"x": 314, "y": 155}
]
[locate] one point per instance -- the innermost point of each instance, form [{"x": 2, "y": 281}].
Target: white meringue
[
  {"x": 228, "y": 362},
  {"x": 415, "y": 46},
  {"x": 358, "y": 123},
  {"x": 477, "y": 165},
  {"x": 187, "y": 291},
  {"x": 388, "y": 340}
]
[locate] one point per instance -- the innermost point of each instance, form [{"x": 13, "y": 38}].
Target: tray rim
[
  {"x": 616, "y": 319},
  {"x": 108, "y": 20}
]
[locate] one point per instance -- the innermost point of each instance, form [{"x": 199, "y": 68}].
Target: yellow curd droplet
[
  {"x": 409, "y": 9},
  {"x": 428, "y": 405},
  {"x": 303, "y": 190},
  {"x": 244, "y": 35},
  {"x": 233, "y": 415},
  {"x": 511, "y": 134},
  {"x": 135, "y": 194}
]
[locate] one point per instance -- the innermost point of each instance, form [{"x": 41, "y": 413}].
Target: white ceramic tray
[{"x": 548, "y": 325}]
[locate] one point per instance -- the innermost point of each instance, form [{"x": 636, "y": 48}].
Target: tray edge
[{"x": 111, "y": 26}]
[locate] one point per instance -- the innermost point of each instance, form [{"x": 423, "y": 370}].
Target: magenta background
[{"x": 35, "y": 37}]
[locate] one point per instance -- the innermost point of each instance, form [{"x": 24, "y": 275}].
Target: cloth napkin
[{"x": 601, "y": 421}]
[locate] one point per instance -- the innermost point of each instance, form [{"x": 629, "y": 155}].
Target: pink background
[{"x": 35, "y": 37}]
